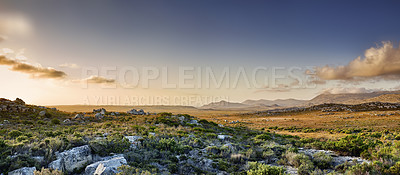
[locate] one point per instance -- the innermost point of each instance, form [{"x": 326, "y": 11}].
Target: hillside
[
  {"x": 224, "y": 105},
  {"x": 350, "y": 98},
  {"x": 278, "y": 102}
]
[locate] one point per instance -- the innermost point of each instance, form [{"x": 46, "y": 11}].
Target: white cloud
[{"x": 380, "y": 62}]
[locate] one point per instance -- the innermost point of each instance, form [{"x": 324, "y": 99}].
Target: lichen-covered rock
[
  {"x": 73, "y": 159},
  {"x": 108, "y": 166},
  {"x": 23, "y": 171}
]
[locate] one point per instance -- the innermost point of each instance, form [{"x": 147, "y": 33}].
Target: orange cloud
[
  {"x": 380, "y": 62},
  {"x": 33, "y": 71}
]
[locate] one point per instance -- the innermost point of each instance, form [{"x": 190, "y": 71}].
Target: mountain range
[{"x": 345, "y": 98}]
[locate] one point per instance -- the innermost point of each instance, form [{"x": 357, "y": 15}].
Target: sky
[{"x": 87, "y": 52}]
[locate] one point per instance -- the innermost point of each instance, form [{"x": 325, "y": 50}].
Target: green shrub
[
  {"x": 263, "y": 137},
  {"x": 113, "y": 144},
  {"x": 22, "y": 138},
  {"x": 256, "y": 168},
  {"x": 14, "y": 133},
  {"x": 55, "y": 121},
  {"x": 322, "y": 160}
]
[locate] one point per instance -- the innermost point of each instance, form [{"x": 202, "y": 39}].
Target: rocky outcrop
[
  {"x": 23, "y": 171},
  {"x": 108, "y": 166},
  {"x": 73, "y": 159},
  {"x": 135, "y": 112}
]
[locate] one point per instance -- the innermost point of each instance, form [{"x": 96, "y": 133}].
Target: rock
[
  {"x": 99, "y": 116},
  {"x": 19, "y": 101},
  {"x": 220, "y": 125},
  {"x": 194, "y": 122},
  {"x": 132, "y": 111},
  {"x": 23, "y": 171},
  {"x": 152, "y": 133},
  {"x": 228, "y": 146},
  {"x": 134, "y": 140},
  {"x": 39, "y": 159},
  {"x": 135, "y": 112},
  {"x": 106, "y": 167},
  {"x": 181, "y": 118},
  {"x": 6, "y": 122},
  {"x": 103, "y": 111},
  {"x": 67, "y": 121},
  {"x": 42, "y": 113},
  {"x": 100, "y": 169},
  {"x": 73, "y": 159},
  {"x": 78, "y": 116},
  {"x": 223, "y": 137}
]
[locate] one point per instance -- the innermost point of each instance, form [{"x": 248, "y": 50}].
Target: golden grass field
[{"x": 390, "y": 120}]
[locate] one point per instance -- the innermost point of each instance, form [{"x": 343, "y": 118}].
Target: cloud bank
[
  {"x": 347, "y": 90},
  {"x": 378, "y": 62},
  {"x": 32, "y": 70}
]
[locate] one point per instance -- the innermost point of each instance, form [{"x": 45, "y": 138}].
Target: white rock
[
  {"x": 223, "y": 137},
  {"x": 73, "y": 159},
  {"x": 106, "y": 167},
  {"x": 23, "y": 171},
  {"x": 78, "y": 116}
]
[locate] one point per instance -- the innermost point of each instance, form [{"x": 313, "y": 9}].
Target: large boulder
[
  {"x": 108, "y": 166},
  {"x": 73, "y": 159},
  {"x": 23, "y": 171}
]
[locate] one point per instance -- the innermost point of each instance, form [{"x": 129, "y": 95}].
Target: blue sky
[{"x": 202, "y": 33}]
